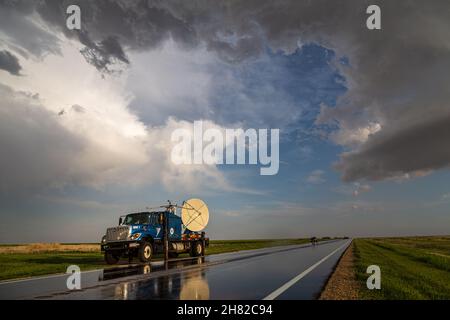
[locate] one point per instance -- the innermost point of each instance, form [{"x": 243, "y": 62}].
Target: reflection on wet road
[
  {"x": 191, "y": 285},
  {"x": 253, "y": 274}
]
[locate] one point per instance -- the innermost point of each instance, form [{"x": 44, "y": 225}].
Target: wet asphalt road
[{"x": 290, "y": 272}]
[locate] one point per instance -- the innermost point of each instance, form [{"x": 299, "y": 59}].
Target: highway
[{"x": 289, "y": 272}]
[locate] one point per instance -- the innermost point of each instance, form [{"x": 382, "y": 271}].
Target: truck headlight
[
  {"x": 104, "y": 239},
  {"x": 135, "y": 236}
]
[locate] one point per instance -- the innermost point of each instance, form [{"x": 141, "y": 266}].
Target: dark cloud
[
  {"x": 9, "y": 62},
  {"x": 384, "y": 154},
  {"x": 104, "y": 53},
  {"x": 108, "y": 26}
]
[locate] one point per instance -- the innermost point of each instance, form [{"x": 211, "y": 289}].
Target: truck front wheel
[
  {"x": 197, "y": 249},
  {"x": 145, "y": 252},
  {"x": 111, "y": 258}
]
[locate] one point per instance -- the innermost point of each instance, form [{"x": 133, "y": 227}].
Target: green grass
[
  {"x": 22, "y": 265},
  {"x": 222, "y": 246},
  {"x": 411, "y": 268}
]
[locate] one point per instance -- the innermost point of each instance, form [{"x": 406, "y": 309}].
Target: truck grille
[{"x": 117, "y": 233}]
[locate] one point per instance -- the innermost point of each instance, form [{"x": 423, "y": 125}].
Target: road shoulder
[{"x": 342, "y": 284}]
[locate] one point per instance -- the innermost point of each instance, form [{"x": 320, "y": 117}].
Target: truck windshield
[{"x": 137, "y": 218}]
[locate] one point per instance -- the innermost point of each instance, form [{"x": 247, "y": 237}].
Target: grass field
[
  {"x": 411, "y": 267},
  {"x": 21, "y": 261}
]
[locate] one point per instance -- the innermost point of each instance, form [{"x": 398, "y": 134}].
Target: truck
[{"x": 143, "y": 234}]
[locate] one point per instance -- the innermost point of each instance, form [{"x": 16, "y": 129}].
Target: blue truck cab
[{"x": 142, "y": 235}]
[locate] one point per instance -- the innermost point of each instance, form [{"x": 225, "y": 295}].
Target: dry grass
[{"x": 49, "y": 247}]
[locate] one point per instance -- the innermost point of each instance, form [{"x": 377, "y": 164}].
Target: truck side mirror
[
  {"x": 120, "y": 221},
  {"x": 161, "y": 218}
]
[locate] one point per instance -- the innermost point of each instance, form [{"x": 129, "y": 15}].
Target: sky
[{"x": 86, "y": 116}]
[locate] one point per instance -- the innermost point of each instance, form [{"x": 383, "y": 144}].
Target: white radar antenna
[{"x": 195, "y": 214}]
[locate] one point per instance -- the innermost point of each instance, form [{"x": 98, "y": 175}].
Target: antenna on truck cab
[{"x": 168, "y": 207}]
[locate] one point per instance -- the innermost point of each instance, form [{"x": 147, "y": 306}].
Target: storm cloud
[
  {"x": 385, "y": 154},
  {"x": 103, "y": 54},
  {"x": 397, "y": 77},
  {"x": 42, "y": 150},
  {"x": 9, "y": 62}
]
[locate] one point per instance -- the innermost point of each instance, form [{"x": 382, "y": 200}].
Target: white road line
[{"x": 294, "y": 280}]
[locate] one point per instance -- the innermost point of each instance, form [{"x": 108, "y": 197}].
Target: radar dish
[{"x": 195, "y": 214}]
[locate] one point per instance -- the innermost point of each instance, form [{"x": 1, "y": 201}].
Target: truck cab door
[{"x": 174, "y": 227}]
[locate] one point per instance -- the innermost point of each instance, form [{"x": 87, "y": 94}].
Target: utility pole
[
  {"x": 203, "y": 244},
  {"x": 166, "y": 237}
]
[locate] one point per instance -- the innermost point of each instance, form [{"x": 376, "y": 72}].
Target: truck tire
[
  {"x": 197, "y": 249},
  {"x": 145, "y": 252},
  {"x": 111, "y": 258}
]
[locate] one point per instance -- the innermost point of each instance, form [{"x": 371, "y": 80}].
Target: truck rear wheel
[
  {"x": 111, "y": 258},
  {"x": 145, "y": 252},
  {"x": 197, "y": 249}
]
